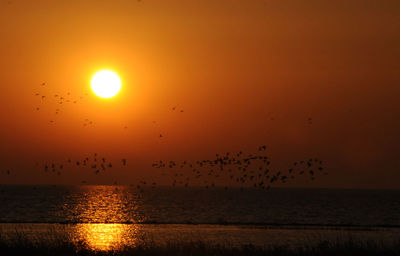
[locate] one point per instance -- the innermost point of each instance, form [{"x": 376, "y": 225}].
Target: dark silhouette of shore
[{"x": 197, "y": 248}]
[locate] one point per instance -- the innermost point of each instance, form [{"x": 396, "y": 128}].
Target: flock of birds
[
  {"x": 95, "y": 163},
  {"x": 236, "y": 169},
  {"x": 231, "y": 169},
  {"x": 60, "y": 100},
  {"x": 245, "y": 170}
]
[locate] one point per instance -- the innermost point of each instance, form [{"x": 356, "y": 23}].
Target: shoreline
[
  {"x": 194, "y": 248},
  {"x": 129, "y": 235}
]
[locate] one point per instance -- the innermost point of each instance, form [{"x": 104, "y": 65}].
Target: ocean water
[{"x": 111, "y": 216}]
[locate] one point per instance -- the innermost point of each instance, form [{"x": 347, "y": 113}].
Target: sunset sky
[{"x": 245, "y": 74}]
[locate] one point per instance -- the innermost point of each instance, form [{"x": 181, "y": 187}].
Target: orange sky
[{"x": 231, "y": 65}]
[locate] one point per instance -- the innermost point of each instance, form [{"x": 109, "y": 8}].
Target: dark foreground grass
[{"x": 62, "y": 247}]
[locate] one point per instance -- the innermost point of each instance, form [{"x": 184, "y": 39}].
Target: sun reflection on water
[
  {"x": 105, "y": 237},
  {"x": 104, "y": 209}
]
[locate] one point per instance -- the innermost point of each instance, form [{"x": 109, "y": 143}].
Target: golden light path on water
[
  {"x": 105, "y": 207},
  {"x": 105, "y": 237}
]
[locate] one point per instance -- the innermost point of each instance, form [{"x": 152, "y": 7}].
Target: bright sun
[{"x": 106, "y": 84}]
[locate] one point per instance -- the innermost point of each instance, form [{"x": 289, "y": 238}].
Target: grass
[{"x": 51, "y": 244}]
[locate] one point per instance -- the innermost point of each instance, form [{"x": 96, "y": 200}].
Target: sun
[{"x": 106, "y": 84}]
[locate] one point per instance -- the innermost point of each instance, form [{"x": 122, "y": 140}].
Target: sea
[{"x": 110, "y": 217}]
